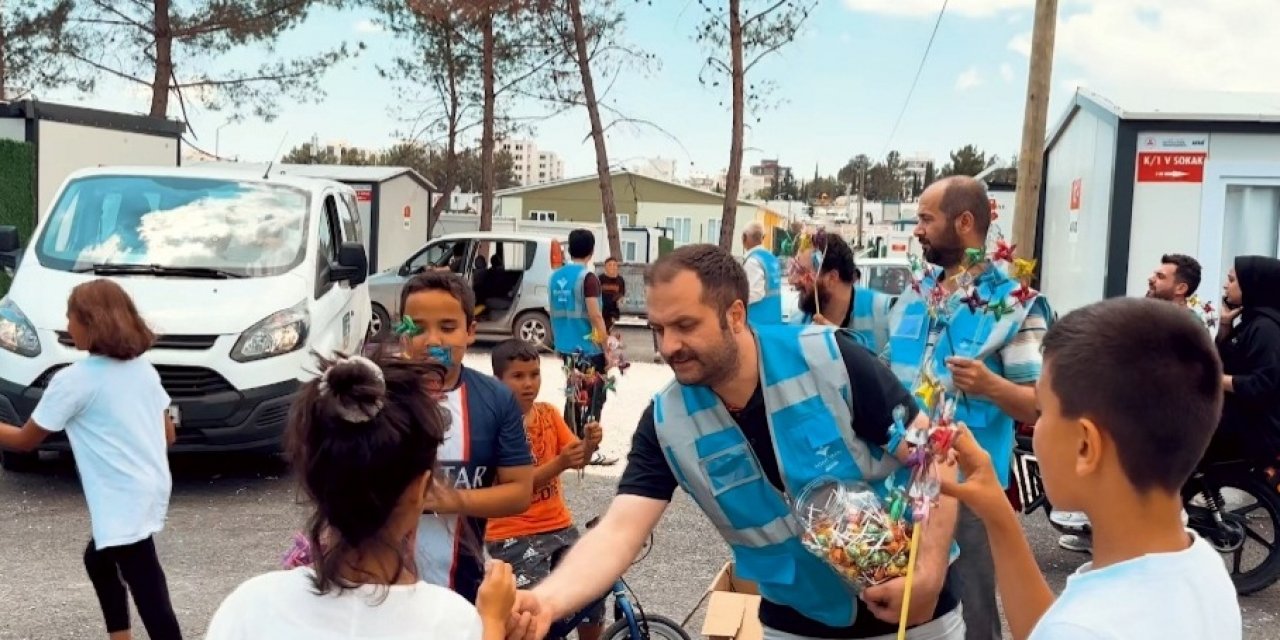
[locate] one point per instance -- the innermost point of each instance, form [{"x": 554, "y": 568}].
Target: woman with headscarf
[{"x": 1250, "y": 352}]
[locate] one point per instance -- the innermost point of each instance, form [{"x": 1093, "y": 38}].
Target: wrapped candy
[
  {"x": 847, "y": 525},
  {"x": 615, "y": 353}
]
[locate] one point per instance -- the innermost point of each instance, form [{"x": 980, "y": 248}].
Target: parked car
[
  {"x": 508, "y": 271},
  {"x": 242, "y": 277},
  {"x": 887, "y": 275}
]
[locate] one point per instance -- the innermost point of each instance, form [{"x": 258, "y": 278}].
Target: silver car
[{"x": 508, "y": 271}]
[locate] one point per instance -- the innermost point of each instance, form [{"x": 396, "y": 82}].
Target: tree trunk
[
  {"x": 161, "y": 82},
  {"x": 487, "y": 177},
  {"x": 733, "y": 177},
  {"x": 607, "y": 205},
  {"x": 449, "y": 183},
  {"x": 4, "y": 52}
]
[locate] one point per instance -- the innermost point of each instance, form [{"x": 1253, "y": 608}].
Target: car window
[
  {"x": 510, "y": 255},
  {"x": 329, "y": 233},
  {"x": 349, "y": 215},
  {"x": 440, "y": 254}
]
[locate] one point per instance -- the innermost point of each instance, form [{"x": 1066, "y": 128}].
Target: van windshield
[{"x": 242, "y": 229}]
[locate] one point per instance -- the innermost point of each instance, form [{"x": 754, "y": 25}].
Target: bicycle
[{"x": 630, "y": 622}]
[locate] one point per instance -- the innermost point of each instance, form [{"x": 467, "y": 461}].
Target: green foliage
[{"x": 17, "y": 192}]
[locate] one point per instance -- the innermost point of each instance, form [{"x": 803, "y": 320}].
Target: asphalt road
[{"x": 232, "y": 517}]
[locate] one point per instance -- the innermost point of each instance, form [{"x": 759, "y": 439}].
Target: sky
[{"x": 839, "y": 88}]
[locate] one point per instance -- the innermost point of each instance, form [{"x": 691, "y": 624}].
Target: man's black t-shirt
[{"x": 876, "y": 392}]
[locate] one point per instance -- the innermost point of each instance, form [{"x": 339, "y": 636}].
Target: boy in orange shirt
[{"x": 529, "y": 541}]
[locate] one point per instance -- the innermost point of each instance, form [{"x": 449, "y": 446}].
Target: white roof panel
[
  {"x": 340, "y": 172},
  {"x": 1182, "y": 104}
]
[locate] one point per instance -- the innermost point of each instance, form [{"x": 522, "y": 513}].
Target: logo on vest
[{"x": 826, "y": 458}]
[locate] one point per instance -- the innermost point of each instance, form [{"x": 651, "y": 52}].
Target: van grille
[
  {"x": 179, "y": 382},
  {"x": 178, "y": 342}
]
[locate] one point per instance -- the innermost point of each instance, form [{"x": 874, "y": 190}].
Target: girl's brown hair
[{"x": 107, "y": 314}]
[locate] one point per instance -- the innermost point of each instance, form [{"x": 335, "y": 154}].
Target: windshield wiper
[{"x": 160, "y": 271}]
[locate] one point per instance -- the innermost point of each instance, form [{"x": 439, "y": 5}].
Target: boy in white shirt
[{"x": 1128, "y": 399}]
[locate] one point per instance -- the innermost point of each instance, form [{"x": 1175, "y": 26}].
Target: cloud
[
  {"x": 368, "y": 26},
  {"x": 1169, "y": 44},
  {"x": 920, "y": 8},
  {"x": 1006, "y": 72},
  {"x": 968, "y": 79},
  {"x": 845, "y": 38}
]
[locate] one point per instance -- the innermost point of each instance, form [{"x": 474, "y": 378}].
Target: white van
[{"x": 242, "y": 277}]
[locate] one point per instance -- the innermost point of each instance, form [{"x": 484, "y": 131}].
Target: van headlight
[
  {"x": 279, "y": 333},
  {"x": 17, "y": 334}
]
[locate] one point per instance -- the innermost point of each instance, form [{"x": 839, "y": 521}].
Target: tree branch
[
  {"x": 128, "y": 19},
  {"x": 760, "y": 56},
  {"x": 100, "y": 67},
  {"x": 746, "y": 23}
]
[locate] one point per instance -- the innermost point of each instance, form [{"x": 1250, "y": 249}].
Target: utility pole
[
  {"x": 862, "y": 181},
  {"x": 1031, "y": 159}
]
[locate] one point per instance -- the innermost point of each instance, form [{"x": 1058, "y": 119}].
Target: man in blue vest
[
  {"x": 992, "y": 358},
  {"x": 577, "y": 327},
  {"x": 764, "y": 278},
  {"x": 754, "y": 415},
  {"x": 835, "y": 292}
]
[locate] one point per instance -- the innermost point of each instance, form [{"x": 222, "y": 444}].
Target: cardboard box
[{"x": 732, "y": 608}]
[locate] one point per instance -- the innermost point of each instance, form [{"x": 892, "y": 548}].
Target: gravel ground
[{"x": 231, "y": 518}]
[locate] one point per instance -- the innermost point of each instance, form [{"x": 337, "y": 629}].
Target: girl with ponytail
[{"x": 363, "y": 439}]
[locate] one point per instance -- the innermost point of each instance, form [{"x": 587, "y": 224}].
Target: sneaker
[
  {"x": 601, "y": 460},
  {"x": 1079, "y": 544},
  {"x": 1072, "y": 520}
]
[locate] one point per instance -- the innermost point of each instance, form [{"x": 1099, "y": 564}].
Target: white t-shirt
[
  {"x": 1160, "y": 596},
  {"x": 283, "y": 605},
  {"x": 756, "y": 284},
  {"x": 113, "y": 413}
]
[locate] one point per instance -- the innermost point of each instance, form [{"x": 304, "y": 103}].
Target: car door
[{"x": 357, "y": 313}]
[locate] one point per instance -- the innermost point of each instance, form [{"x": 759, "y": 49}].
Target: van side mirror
[
  {"x": 9, "y": 247},
  {"x": 353, "y": 264}
]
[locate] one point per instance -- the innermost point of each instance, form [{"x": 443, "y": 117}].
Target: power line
[{"x": 919, "y": 69}]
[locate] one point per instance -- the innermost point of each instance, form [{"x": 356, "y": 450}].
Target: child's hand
[
  {"x": 497, "y": 594},
  {"x": 595, "y": 433},
  {"x": 980, "y": 490},
  {"x": 441, "y": 499},
  {"x": 575, "y": 455}
]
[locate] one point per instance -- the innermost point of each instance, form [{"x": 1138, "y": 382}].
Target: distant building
[
  {"x": 531, "y": 165},
  {"x": 914, "y": 174},
  {"x": 660, "y": 168}
]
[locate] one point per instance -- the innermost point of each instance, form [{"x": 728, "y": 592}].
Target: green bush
[{"x": 17, "y": 192}]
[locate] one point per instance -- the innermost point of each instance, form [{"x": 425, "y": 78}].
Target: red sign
[
  {"x": 1167, "y": 166},
  {"x": 1076, "y": 188},
  {"x": 364, "y": 195},
  {"x": 995, "y": 208}
]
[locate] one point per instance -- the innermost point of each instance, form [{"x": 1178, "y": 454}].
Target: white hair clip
[{"x": 347, "y": 408}]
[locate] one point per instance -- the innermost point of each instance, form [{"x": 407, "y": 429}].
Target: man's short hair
[
  {"x": 582, "y": 243},
  {"x": 508, "y": 351},
  {"x": 963, "y": 193},
  {"x": 722, "y": 276},
  {"x": 1185, "y": 270},
  {"x": 838, "y": 257},
  {"x": 753, "y": 231},
  {"x": 1146, "y": 373}
]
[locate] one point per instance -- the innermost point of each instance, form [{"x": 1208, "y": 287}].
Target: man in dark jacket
[{"x": 1250, "y": 352}]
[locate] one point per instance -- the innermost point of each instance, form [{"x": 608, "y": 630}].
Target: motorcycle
[{"x": 1229, "y": 504}]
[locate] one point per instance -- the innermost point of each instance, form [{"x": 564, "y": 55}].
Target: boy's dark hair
[
  {"x": 838, "y": 257},
  {"x": 1147, "y": 373},
  {"x": 450, "y": 283},
  {"x": 582, "y": 243},
  {"x": 357, "y": 436},
  {"x": 722, "y": 277},
  {"x": 610, "y": 259},
  {"x": 1185, "y": 270},
  {"x": 106, "y": 312},
  {"x": 511, "y": 350}
]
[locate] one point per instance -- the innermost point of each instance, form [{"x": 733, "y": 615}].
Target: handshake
[{"x": 507, "y": 613}]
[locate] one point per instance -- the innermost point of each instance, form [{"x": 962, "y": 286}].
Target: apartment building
[{"x": 531, "y": 165}]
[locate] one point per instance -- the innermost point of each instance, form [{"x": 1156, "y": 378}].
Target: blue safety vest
[
  {"x": 570, "y": 324},
  {"x": 868, "y": 319},
  {"x": 967, "y": 333},
  {"x": 767, "y": 310},
  {"x": 807, "y": 397}
]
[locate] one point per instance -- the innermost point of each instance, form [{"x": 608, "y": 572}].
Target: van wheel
[
  {"x": 534, "y": 327},
  {"x": 19, "y": 462},
  {"x": 379, "y": 324}
]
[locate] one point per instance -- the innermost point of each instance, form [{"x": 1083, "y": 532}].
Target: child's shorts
[{"x": 530, "y": 558}]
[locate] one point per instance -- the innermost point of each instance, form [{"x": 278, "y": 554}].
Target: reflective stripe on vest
[
  {"x": 807, "y": 400},
  {"x": 870, "y": 318},
  {"x": 570, "y": 324},
  {"x": 767, "y": 310}
]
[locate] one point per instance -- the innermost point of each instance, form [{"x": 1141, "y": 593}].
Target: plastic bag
[{"x": 847, "y": 525}]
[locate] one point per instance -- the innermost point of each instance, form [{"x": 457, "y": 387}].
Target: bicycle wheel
[{"x": 659, "y": 627}]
